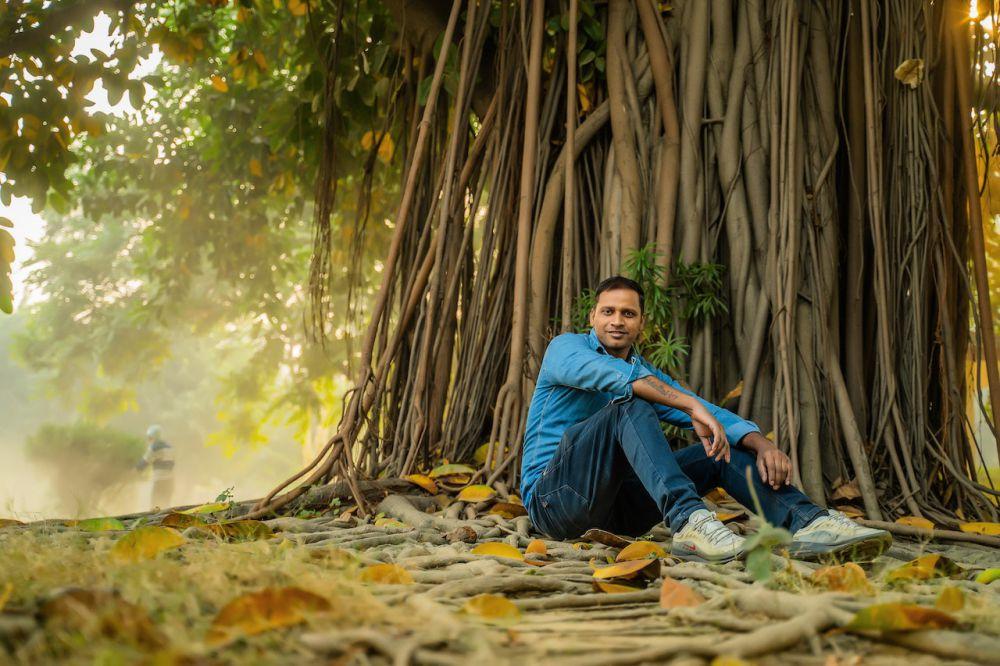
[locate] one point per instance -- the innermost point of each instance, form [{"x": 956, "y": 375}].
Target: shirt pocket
[{"x": 563, "y": 513}]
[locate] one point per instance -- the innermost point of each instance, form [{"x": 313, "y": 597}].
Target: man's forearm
[
  {"x": 756, "y": 442},
  {"x": 652, "y": 389}
]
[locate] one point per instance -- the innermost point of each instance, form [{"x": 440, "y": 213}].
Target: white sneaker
[
  {"x": 835, "y": 536},
  {"x": 705, "y": 539}
]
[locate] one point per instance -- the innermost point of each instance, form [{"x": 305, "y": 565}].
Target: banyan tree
[{"x": 822, "y": 154}]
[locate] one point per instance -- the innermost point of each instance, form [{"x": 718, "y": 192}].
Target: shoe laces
[
  {"x": 842, "y": 520},
  {"x": 712, "y": 529}
]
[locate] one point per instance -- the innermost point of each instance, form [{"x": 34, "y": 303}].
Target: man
[
  {"x": 159, "y": 455},
  {"x": 595, "y": 454}
]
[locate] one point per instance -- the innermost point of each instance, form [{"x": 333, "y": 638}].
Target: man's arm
[
  {"x": 706, "y": 426},
  {"x": 774, "y": 466}
]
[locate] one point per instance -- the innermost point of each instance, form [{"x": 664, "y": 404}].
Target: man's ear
[{"x": 590, "y": 317}]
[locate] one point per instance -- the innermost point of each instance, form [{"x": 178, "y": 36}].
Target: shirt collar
[{"x": 595, "y": 344}]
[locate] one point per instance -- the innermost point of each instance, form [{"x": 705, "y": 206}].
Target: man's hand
[
  {"x": 774, "y": 466},
  {"x": 710, "y": 432}
]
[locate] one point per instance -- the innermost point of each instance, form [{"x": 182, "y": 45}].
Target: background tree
[{"x": 821, "y": 152}]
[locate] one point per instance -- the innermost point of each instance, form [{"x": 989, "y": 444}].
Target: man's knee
[{"x": 637, "y": 408}]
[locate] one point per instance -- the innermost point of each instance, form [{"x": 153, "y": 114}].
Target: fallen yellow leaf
[
  {"x": 628, "y": 570},
  {"x": 508, "y": 510},
  {"x": 146, "y": 543},
  {"x": 479, "y": 493},
  {"x": 989, "y": 529},
  {"x": 387, "y": 574},
  {"x": 256, "y": 169},
  {"x": 257, "y": 612},
  {"x": 988, "y": 576},
  {"x": 640, "y": 550},
  {"x": 950, "y": 599},
  {"x": 492, "y": 607},
  {"x": 674, "y": 594},
  {"x": 924, "y": 568},
  {"x": 915, "y": 521},
  {"x": 498, "y": 549},
  {"x": 536, "y": 547},
  {"x": 612, "y": 588},
  {"x": 424, "y": 481}
]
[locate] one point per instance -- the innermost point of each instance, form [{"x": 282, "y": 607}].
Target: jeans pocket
[{"x": 562, "y": 513}]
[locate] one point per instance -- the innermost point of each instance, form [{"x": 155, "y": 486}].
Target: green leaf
[
  {"x": 988, "y": 576},
  {"x": 101, "y": 525}
]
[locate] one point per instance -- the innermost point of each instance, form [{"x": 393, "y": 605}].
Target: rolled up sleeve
[{"x": 570, "y": 361}]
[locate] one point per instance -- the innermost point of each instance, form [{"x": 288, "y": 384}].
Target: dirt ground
[{"x": 468, "y": 586}]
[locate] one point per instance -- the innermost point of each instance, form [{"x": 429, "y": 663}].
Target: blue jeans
[{"x": 616, "y": 471}]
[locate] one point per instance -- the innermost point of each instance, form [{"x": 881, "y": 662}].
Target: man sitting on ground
[{"x": 595, "y": 454}]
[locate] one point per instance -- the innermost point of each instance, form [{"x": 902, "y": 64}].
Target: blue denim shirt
[{"x": 578, "y": 377}]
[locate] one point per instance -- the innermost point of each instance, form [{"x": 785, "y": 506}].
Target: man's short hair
[{"x": 621, "y": 282}]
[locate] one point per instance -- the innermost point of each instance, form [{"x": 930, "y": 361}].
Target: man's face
[{"x": 617, "y": 319}]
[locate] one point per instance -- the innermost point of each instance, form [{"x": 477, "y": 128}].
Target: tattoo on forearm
[{"x": 662, "y": 388}]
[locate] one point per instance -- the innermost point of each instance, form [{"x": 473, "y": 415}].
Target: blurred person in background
[{"x": 160, "y": 456}]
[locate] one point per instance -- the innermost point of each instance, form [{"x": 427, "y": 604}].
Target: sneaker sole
[
  {"x": 688, "y": 556},
  {"x": 861, "y": 549}
]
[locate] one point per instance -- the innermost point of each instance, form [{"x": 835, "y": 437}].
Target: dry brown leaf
[
  {"x": 850, "y": 511},
  {"x": 844, "y": 578},
  {"x": 146, "y": 543},
  {"x": 181, "y": 520},
  {"x": 674, "y": 594},
  {"x": 492, "y": 608},
  {"x": 95, "y": 613},
  {"x": 479, "y": 493},
  {"x": 424, "y": 481},
  {"x": 386, "y": 574},
  {"x": 915, "y": 521},
  {"x": 910, "y": 72},
  {"x": 736, "y": 392},
  {"x": 498, "y": 549},
  {"x": 719, "y": 496},
  {"x": 257, "y": 612},
  {"x": 605, "y": 538},
  {"x": 899, "y": 617},
  {"x": 640, "y": 550},
  {"x": 847, "y": 491},
  {"x": 241, "y": 530}
]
